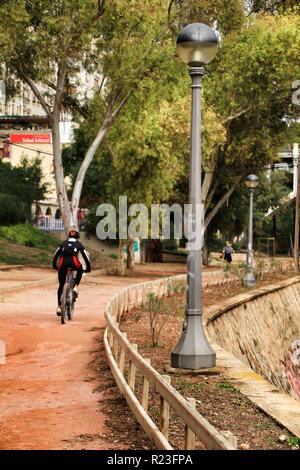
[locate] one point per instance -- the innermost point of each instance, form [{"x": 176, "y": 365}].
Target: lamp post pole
[
  {"x": 193, "y": 350},
  {"x": 249, "y": 279}
]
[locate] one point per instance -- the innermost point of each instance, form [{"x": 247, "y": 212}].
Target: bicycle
[{"x": 68, "y": 299}]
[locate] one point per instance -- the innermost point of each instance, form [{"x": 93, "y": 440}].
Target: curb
[{"x": 25, "y": 285}]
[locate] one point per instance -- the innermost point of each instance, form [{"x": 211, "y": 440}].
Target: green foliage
[
  {"x": 27, "y": 235},
  {"x": 282, "y": 228},
  {"x": 247, "y": 90},
  {"x": 293, "y": 134},
  {"x": 12, "y": 210},
  {"x": 154, "y": 307},
  {"x": 239, "y": 270},
  {"x": 32, "y": 173},
  {"x": 233, "y": 218},
  {"x": 44, "y": 35},
  {"x": 271, "y": 6},
  {"x": 91, "y": 221},
  {"x": 293, "y": 441},
  {"x": 178, "y": 287},
  {"x": 187, "y": 387},
  {"x": 229, "y": 14},
  {"x": 19, "y": 188},
  {"x": 24, "y": 244},
  {"x": 252, "y": 75},
  {"x": 159, "y": 312},
  {"x": 227, "y": 386},
  {"x": 94, "y": 186}
]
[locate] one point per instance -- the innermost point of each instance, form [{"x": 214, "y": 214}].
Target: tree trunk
[
  {"x": 121, "y": 257},
  {"x": 59, "y": 174},
  {"x": 221, "y": 203},
  {"x": 130, "y": 257},
  {"x": 205, "y": 259},
  {"x": 85, "y": 166},
  {"x": 109, "y": 118}
]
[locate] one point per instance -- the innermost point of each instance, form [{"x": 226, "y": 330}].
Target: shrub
[{"x": 12, "y": 211}]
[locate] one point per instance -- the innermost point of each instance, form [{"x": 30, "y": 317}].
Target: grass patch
[
  {"x": 293, "y": 441},
  {"x": 187, "y": 387},
  {"x": 27, "y": 235},
  {"x": 227, "y": 386},
  {"x": 26, "y": 245}
]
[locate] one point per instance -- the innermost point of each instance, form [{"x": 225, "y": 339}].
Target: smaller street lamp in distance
[{"x": 249, "y": 279}]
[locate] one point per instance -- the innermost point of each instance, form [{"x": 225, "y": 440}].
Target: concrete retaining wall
[{"x": 262, "y": 329}]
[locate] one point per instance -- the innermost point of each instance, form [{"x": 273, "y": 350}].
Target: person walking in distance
[{"x": 228, "y": 252}]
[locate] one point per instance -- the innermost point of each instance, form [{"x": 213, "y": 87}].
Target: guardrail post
[
  {"x": 158, "y": 289},
  {"x": 129, "y": 297},
  {"x": 165, "y": 412},
  {"x": 114, "y": 308},
  {"x": 121, "y": 363},
  {"x": 132, "y": 371},
  {"x": 125, "y": 302},
  {"x": 145, "y": 390},
  {"x": 117, "y": 311},
  {"x": 115, "y": 345},
  {"x": 230, "y": 437},
  {"x": 189, "y": 438},
  {"x": 110, "y": 337},
  {"x": 143, "y": 295}
]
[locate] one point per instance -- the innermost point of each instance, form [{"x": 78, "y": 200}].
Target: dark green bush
[{"x": 12, "y": 210}]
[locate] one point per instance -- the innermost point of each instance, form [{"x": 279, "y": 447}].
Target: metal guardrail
[{"x": 125, "y": 363}]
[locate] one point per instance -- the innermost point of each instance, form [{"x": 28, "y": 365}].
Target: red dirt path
[{"x": 48, "y": 391}]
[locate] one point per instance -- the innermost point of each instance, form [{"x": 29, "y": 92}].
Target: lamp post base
[
  {"x": 249, "y": 279},
  {"x": 193, "y": 350}
]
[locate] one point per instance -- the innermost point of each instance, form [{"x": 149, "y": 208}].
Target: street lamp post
[
  {"x": 249, "y": 279},
  {"x": 197, "y": 45}
]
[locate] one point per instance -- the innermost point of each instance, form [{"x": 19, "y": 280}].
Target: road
[{"x": 49, "y": 397}]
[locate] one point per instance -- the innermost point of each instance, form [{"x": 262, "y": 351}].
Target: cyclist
[{"x": 65, "y": 257}]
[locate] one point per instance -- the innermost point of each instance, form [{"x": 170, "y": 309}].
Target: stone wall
[{"x": 262, "y": 329}]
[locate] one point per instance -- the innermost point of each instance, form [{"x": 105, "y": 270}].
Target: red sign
[{"x": 30, "y": 138}]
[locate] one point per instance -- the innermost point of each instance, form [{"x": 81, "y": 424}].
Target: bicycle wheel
[
  {"x": 70, "y": 312},
  {"x": 70, "y": 296},
  {"x": 64, "y": 304},
  {"x": 70, "y": 309}
]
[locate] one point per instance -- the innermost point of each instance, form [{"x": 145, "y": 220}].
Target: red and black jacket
[{"x": 67, "y": 255}]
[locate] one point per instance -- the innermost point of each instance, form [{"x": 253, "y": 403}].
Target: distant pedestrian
[{"x": 228, "y": 252}]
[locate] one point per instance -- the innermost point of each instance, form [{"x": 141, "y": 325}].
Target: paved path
[{"x": 48, "y": 399}]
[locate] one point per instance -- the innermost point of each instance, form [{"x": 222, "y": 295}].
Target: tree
[
  {"x": 99, "y": 173},
  {"x": 233, "y": 218},
  {"x": 32, "y": 173},
  {"x": 20, "y": 187},
  {"x": 227, "y": 15},
  {"x": 249, "y": 86},
  {"x": 269, "y": 6},
  {"x": 247, "y": 103},
  {"x": 43, "y": 46}
]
